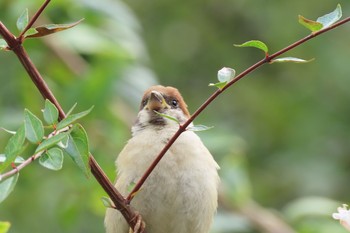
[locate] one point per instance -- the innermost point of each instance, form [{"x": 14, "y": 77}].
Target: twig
[
  {"x": 21, "y": 166},
  {"x": 33, "y": 19},
  {"x": 252, "y": 68},
  {"x": 31, "y": 158},
  {"x": 16, "y": 46}
]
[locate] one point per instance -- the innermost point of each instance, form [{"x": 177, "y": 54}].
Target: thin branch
[
  {"x": 21, "y": 166},
  {"x": 217, "y": 93}
]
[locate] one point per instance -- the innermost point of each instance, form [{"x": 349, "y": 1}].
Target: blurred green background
[{"x": 281, "y": 135}]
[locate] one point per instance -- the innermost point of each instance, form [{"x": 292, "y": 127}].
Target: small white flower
[
  {"x": 226, "y": 74},
  {"x": 343, "y": 216}
]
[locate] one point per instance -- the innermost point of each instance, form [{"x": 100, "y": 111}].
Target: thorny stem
[
  {"x": 15, "y": 44},
  {"x": 252, "y": 68}
]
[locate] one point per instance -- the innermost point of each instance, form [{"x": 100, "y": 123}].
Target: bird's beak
[{"x": 156, "y": 102}]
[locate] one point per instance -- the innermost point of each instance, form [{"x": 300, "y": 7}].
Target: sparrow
[{"x": 180, "y": 195}]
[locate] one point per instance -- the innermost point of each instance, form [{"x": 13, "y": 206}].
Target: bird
[{"x": 181, "y": 194}]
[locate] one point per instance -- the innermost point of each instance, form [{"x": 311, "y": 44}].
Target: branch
[
  {"x": 119, "y": 201},
  {"x": 15, "y": 44},
  {"x": 21, "y": 166},
  {"x": 32, "y": 158},
  {"x": 252, "y": 68}
]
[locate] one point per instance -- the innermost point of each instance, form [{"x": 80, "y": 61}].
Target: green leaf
[
  {"x": 219, "y": 85},
  {"x": 22, "y": 21},
  {"x": 8, "y": 131},
  {"x": 18, "y": 159},
  {"x": 107, "y": 202},
  {"x": 3, "y": 44},
  {"x": 256, "y": 44},
  {"x": 7, "y": 186},
  {"x": 29, "y": 32},
  {"x": 78, "y": 148},
  {"x": 52, "y": 159},
  {"x": 50, "y": 113},
  {"x": 63, "y": 143},
  {"x": 71, "y": 110},
  {"x": 34, "y": 127},
  {"x": 72, "y": 118},
  {"x": 51, "y": 28},
  {"x": 290, "y": 59},
  {"x": 50, "y": 142},
  {"x": 4, "y": 227},
  {"x": 13, "y": 147},
  {"x": 197, "y": 128},
  {"x": 167, "y": 116},
  {"x": 310, "y": 24},
  {"x": 329, "y": 19}
]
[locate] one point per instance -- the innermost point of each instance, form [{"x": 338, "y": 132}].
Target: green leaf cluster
[
  {"x": 99, "y": 44},
  {"x": 322, "y": 22},
  {"x": 262, "y": 46},
  {"x": 67, "y": 137},
  {"x": 40, "y": 31}
]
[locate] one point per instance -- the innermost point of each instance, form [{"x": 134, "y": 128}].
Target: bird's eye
[
  {"x": 144, "y": 102},
  {"x": 174, "y": 103}
]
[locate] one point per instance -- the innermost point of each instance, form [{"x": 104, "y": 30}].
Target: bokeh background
[{"x": 281, "y": 135}]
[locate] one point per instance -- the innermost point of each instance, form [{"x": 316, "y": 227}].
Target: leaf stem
[{"x": 252, "y": 68}]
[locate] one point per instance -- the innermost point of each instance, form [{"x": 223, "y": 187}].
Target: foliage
[
  {"x": 48, "y": 150},
  {"x": 287, "y": 132}
]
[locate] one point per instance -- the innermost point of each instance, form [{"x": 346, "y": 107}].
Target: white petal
[{"x": 336, "y": 216}]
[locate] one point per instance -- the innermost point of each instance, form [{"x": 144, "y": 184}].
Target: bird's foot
[{"x": 139, "y": 226}]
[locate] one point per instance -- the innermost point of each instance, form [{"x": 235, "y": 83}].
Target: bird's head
[{"x": 164, "y": 100}]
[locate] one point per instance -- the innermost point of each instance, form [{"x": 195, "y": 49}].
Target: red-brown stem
[
  {"x": 15, "y": 45},
  {"x": 252, "y": 68},
  {"x": 21, "y": 166},
  {"x": 118, "y": 200}
]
